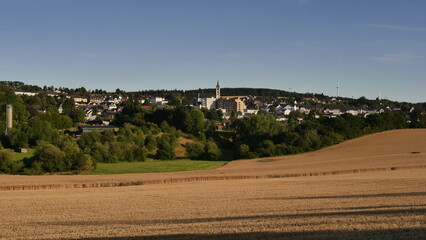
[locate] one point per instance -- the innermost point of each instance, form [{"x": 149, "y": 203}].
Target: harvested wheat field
[{"x": 368, "y": 188}]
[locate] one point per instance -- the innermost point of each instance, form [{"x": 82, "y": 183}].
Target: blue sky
[{"x": 368, "y": 46}]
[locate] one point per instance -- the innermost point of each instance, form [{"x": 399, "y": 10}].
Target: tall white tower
[
  {"x": 217, "y": 90},
  {"x": 9, "y": 119}
]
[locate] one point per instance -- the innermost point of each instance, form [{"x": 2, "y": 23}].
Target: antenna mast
[{"x": 337, "y": 89}]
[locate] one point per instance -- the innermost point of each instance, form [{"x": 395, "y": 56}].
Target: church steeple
[{"x": 217, "y": 90}]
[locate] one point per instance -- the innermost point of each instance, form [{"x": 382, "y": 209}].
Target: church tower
[{"x": 217, "y": 90}]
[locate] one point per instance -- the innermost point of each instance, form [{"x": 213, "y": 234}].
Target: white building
[
  {"x": 25, "y": 93},
  {"x": 249, "y": 112},
  {"x": 209, "y": 103},
  {"x": 205, "y": 100},
  {"x": 158, "y": 100}
]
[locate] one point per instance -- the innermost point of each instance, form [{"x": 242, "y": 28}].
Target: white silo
[{"x": 9, "y": 119}]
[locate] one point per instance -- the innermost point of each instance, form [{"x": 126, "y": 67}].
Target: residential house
[
  {"x": 26, "y": 93},
  {"x": 354, "y": 112},
  {"x": 79, "y": 99},
  {"x": 158, "y": 101},
  {"x": 109, "y": 106},
  {"x": 250, "y": 112},
  {"x": 96, "y": 98},
  {"x": 332, "y": 112}
]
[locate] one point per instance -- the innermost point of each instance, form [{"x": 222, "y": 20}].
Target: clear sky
[{"x": 368, "y": 46}]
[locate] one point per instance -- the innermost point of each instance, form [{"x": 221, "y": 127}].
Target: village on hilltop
[{"x": 100, "y": 106}]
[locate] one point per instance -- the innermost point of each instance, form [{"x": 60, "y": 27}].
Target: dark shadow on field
[
  {"x": 404, "y": 233},
  {"x": 410, "y": 194},
  {"x": 392, "y": 212},
  {"x": 379, "y": 207}
]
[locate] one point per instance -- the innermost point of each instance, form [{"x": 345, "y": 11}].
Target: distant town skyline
[{"x": 370, "y": 48}]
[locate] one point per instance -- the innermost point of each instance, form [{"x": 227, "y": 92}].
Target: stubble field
[{"x": 372, "y": 187}]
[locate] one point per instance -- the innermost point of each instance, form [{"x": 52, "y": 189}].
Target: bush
[
  {"x": 35, "y": 169},
  {"x": 165, "y": 150},
  {"x": 266, "y": 149},
  {"x": 194, "y": 150},
  {"x": 165, "y": 153},
  {"x": 50, "y": 157},
  {"x": 211, "y": 151},
  {"x": 83, "y": 163},
  {"x": 203, "y": 151},
  {"x": 150, "y": 142},
  {"x": 140, "y": 154},
  {"x": 242, "y": 151},
  {"x": 6, "y": 161}
]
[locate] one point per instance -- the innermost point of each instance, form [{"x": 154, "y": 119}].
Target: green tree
[
  {"x": 76, "y": 114},
  {"x": 20, "y": 137},
  {"x": 131, "y": 133},
  {"x": 374, "y": 121},
  {"x": 207, "y": 150},
  {"x": 194, "y": 150},
  {"x": 83, "y": 163},
  {"x": 211, "y": 151},
  {"x": 140, "y": 154},
  {"x": 266, "y": 148},
  {"x": 165, "y": 149},
  {"x": 6, "y": 161},
  {"x": 165, "y": 127},
  {"x": 174, "y": 99},
  {"x": 50, "y": 157},
  {"x": 150, "y": 142},
  {"x": 55, "y": 119},
  {"x": 243, "y": 151},
  {"x": 418, "y": 119},
  {"x": 212, "y": 114},
  {"x": 133, "y": 112},
  {"x": 264, "y": 126},
  {"x": 40, "y": 130},
  {"x": 189, "y": 120}
]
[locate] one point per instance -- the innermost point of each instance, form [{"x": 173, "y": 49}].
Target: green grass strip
[{"x": 153, "y": 166}]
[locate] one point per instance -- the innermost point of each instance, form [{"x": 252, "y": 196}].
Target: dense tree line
[
  {"x": 186, "y": 119},
  {"x": 21, "y": 86},
  {"x": 60, "y": 154},
  {"x": 128, "y": 144},
  {"x": 262, "y": 136}
]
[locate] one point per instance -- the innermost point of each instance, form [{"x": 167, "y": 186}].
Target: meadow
[
  {"x": 373, "y": 187},
  {"x": 20, "y": 156},
  {"x": 152, "y": 166}
]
